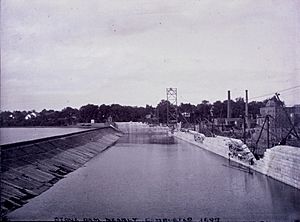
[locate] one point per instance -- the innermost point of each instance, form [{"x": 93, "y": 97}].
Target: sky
[{"x": 59, "y": 53}]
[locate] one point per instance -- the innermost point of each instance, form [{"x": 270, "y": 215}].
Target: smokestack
[
  {"x": 246, "y": 110},
  {"x": 228, "y": 106}
]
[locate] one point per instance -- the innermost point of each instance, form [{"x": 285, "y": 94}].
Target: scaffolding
[{"x": 172, "y": 112}]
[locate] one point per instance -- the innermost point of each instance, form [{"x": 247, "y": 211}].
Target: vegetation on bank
[{"x": 119, "y": 113}]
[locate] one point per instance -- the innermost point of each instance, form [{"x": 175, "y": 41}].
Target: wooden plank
[
  {"x": 26, "y": 182},
  {"x": 89, "y": 147},
  {"x": 59, "y": 162},
  {"x": 69, "y": 143},
  {"x": 51, "y": 170},
  {"x": 12, "y": 202},
  {"x": 43, "y": 176},
  {"x": 86, "y": 151},
  {"x": 77, "y": 156},
  {"x": 4, "y": 196},
  {"x": 74, "y": 157},
  {"x": 43, "y": 173},
  {"x": 33, "y": 175},
  {"x": 67, "y": 162},
  {"x": 81, "y": 153},
  {"x": 8, "y": 175},
  {"x": 71, "y": 158},
  {"x": 59, "y": 144},
  {"x": 46, "y": 167},
  {"x": 10, "y": 189},
  {"x": 19, "y": 201},
  {"x": 19, "y": 188},
  {"x": 42, "y": 188}
]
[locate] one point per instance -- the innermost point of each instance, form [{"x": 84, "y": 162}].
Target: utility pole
[
  {"x": 268, "y": 131},
  {"x": 194, "y": 120},
  {"x": 212, "y": 126},
  {"x": 246, "y": 111},
  {"x": 212, "y": 120},
  {"x": 157, "y": 115},
  {"x": 244, "y": 128}
]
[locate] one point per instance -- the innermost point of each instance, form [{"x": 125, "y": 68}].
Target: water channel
[{"x": 139, "y": 179}]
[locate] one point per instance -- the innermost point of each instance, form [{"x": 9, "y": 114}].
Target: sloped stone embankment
[{"x": 30, "y": 168}]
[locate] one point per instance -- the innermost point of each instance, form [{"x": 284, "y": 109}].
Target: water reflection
[{"x": 148, "y": 138}]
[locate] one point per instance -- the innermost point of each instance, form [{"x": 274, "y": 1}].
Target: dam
[
  {"x": 29, "y": 168},
  {"x": 139, "y": 175}
]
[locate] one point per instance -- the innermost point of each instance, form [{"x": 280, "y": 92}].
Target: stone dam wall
[
  {"x": 141, "y": 128},
  {"x": 280, "y": 162},
  {"x": 32, "y": 167}
]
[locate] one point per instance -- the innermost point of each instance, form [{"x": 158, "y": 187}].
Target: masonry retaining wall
[{"x": 280, "y": 162}]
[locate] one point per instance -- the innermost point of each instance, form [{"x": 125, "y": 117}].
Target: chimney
[
  {"x": 228, "y": 106},
  {"x": 246, "y": 111}
]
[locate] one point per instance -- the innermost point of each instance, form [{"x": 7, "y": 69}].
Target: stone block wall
[{"x": 281, "y": 163}]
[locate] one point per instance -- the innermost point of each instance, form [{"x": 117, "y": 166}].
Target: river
[{"x": 137, "y": 179}]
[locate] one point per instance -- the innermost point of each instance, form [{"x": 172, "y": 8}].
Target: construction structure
[
  {"x": 172, "y": 111},
  {"x": 276, "y": 124}
]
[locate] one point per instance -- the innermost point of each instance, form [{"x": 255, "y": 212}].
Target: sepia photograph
[{"x": 153, "y": 111}]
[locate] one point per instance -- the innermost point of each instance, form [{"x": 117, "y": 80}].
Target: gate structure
[{"x": 172, "y": 113}]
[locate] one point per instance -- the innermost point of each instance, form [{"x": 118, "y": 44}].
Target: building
[
  {"x": 228, "y": 123},
  {"x": 281, "y": 120},
  {"x": 270, "y": 109},
  {"x": 280, "y": 117},
  {"x": 294, "y": 114}
]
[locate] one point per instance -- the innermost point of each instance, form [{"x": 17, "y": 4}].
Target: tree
[
  {"x": 88, "y": 112},
  {"x": 203, "y": 110},
  {"x": 70, "y": 115},
  {"x": 6, "y": 118},
  {"x": 254, "y": 108},
  {"x": 238, "y": 108},
  {"x": 162, "y": 110},
  {"x": 103, "y": 113},
  {"x": 219, "y": 109},
  {"x": 187, "y": 107}
]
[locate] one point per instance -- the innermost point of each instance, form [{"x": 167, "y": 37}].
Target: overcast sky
[{"x": 59, "y": 53}]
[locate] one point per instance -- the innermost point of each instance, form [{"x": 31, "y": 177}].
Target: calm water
[
  {"x": 12, "y": 135},
  {"x": 163, "y": 181}
]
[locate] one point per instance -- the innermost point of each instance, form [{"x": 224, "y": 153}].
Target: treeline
[{"x": 119, "y": 113}]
